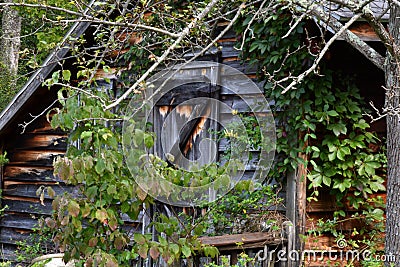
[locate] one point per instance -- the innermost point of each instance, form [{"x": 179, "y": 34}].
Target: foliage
[
  {"x": 324, "y": 111},
  {"x": 321, "y": 122},
  {"x": 7, "y": 91},
  {"x": 38, "y": 243},
  {"x": 3, "y": 158},
  {"x": 90, "y": 224},
  {"x": 243, "y": 260},
  {"x": 106, "y": 189},
  {"x": 246, "y": 208},
  {"x": 40, "y": 32}
]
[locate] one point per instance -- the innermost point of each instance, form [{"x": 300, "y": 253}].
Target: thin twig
[{"x": 321, "y": 54}]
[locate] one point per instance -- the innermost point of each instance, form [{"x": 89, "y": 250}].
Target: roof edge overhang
[{"x": 36, "y": 80}]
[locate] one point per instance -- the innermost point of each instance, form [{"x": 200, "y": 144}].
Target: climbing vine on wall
[{"x": 321, "y": 124}]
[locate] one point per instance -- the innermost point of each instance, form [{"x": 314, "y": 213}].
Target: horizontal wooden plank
[
  {"x": 252, "y": 160},
  {"x": 258, "y": 239},
  {"x": 242, "y": 67},
  {"x": 27, "y": 205},
  {"x": 186, "y": 92},
  {"x": 328, "y": 242},
  {"x": 242, "y": 104},
  {"x": 18, "y": 220},
  {"x": 229, "y": 34},
  {"x": 239, "y": 85},
  {"x": 227, "y": 47},
  {"x": 346, "y": 224},
  {"x": 7, "y": 252},
  {"x": 42, "y": 141},
  {"x": 24, "y": 173},
  {"x": 33, "y": 157},
  {"x": 22, "y": 189},
  {"x": 12, "y": 236},
  {"x": 364, "y": 31},
  {"x": 327, "y": 202}
]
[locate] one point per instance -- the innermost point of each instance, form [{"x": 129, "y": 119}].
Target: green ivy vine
[{"x": 321, "y": 125}]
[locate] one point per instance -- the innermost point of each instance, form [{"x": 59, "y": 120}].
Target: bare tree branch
[
  {"x": 348, "y": 36},
  {"x": 321, "y": 54},
  {"x": 182, "y": 35},
  {"x": 88, "y": 18}
]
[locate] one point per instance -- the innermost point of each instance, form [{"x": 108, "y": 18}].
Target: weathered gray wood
[
  {"x": 28, "y": 206},
  {"x": 254, "y": 240},
  {"x": 291, "y": 197},
  {"x": 12, "y": 236},
  {"x": 184, "y": 93},
  {"x": 20, "y": 221},
  {"x": 29, "y": 173},
  {"x": 392, "y": 103},
  {"x": 29, "y": 190},
  {"x": 7, "y": 252}
]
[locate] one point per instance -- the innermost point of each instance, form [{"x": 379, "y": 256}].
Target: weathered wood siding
[
  {"x": 31, "y": 156},
  {"x": 30, "y": 167}
]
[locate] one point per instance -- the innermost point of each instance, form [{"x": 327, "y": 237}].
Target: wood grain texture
[
  {"x": 29, "y": 173},
  {"x": 34, "y": 157},
  {"x": 258, "y": 239},
  {"x": 43, "y": 141},
  {"x": 29, "y": 190}
]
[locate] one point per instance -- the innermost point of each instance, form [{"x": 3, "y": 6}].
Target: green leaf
[
  {"x": 148, "y": 140},
  {"x": 332, "y": 156},
  {"x": 139, "y": 238},
  {"x": 100, "y": 166},
  {"x": 55, "y": 76},
  {"x": 73, "y": 208},
  {"x": 326, "y": 180},
  {"x": 138, "y": 137},
  {"x": 186, "y": 251},
  {"x": 91, "y": 192},
  {"x": 101, "y": 215},
  {"x": 337, "y": 128},
  {"x": 163, "y": 241},
  {"x": 210, "y": 251},
  {"x": 174, "y": 248},
  {"x": 340, "y": 154},
  {"x": 332, "y": 113},
  {"x": 316, "y": 179},
  {"x": 143, "y": 251},
  {"x": 51, "y": 192},
  {"x": 66, "y": 74},
  {"x": 86, "y": 134}
]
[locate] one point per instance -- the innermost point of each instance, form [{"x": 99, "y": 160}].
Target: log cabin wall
[
  {"x": 31, "y": 156},
  {"x": 31, "y": 153},
  {"x": 30, "y": 168}
]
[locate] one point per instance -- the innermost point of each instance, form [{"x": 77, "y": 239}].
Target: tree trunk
[
  {"x": 392, "y": 244},
  {"x": 10, "y": 41}
]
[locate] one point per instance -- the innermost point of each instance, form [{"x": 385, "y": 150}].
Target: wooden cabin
[{"x": 31, "y": 149}]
